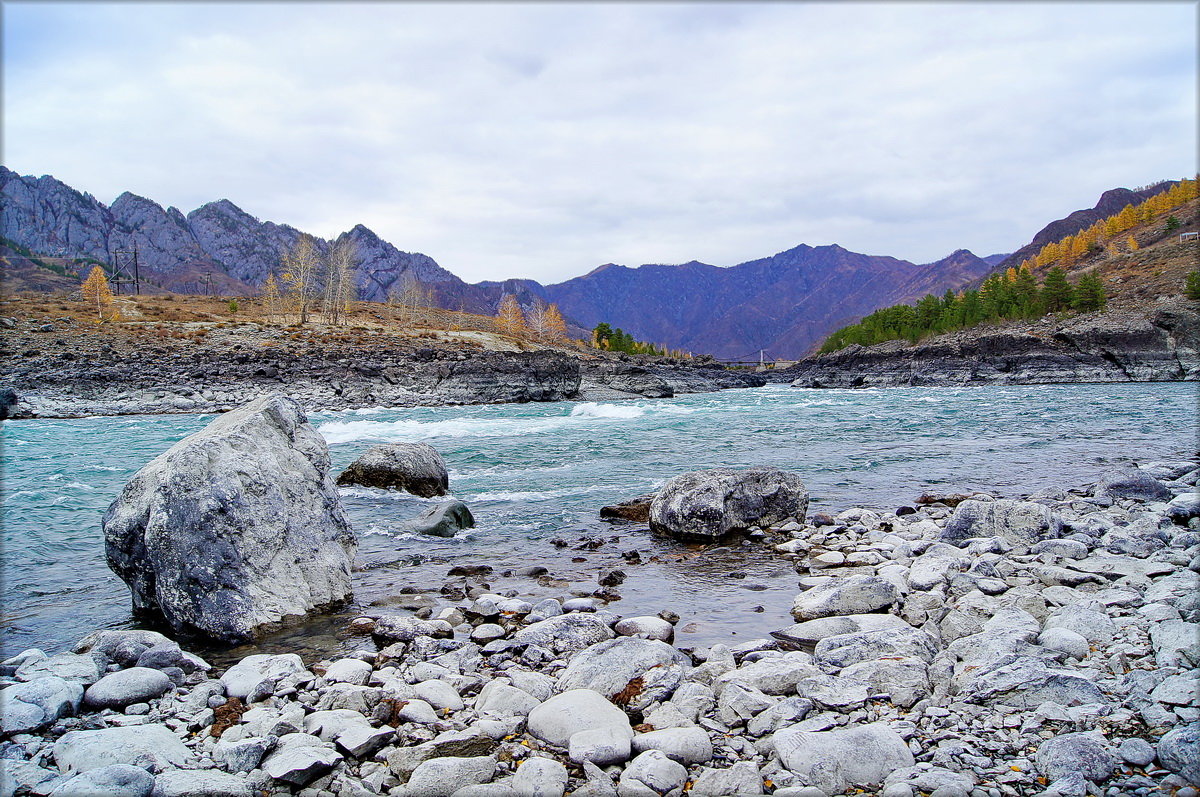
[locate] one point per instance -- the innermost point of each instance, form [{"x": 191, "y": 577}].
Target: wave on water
[
  {"x": 336, "y": 432},
  {"x": 590, "y": 409},
  {"x": 536, "y": 495},
  {"x": 358, "y": 491},
  {"x": 509, "y": 470}
]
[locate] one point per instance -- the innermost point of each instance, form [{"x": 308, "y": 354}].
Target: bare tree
[
  {"x": 408, "y": 299},
  {"x": 340, "y": 289},
  {"x": 301, "y": 268}
]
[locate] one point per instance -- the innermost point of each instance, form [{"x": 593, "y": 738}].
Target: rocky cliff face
[
  {"x": 1158, "y": 344},
  {"x": 217, "y": 246}
]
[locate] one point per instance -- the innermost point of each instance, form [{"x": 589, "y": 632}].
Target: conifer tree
[
  {"x": 1132, "y": 243},
  {"x": 556, "y": 327},
  {"x": 1056, "y": 291},
  {"x": 1089, "y": 294},
  {"x": 1191, "y": 285}
]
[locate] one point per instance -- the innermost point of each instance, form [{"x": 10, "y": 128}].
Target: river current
[{"x": 535, "y": 473}]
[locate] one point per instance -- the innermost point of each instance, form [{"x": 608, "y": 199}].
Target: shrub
[
  {"x": 1192, "y": 285},
  {"x": 233, "y": 305}
]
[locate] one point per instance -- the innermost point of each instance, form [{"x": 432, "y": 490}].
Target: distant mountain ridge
[{"x": 783, "y": 305}]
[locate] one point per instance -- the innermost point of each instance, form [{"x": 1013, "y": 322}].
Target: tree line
[
  {"x": 1013, "y": 294},
  {"x": 608, "y": 339}
]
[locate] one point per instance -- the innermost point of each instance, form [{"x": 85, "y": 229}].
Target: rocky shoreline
[
  {"x": 1160, "y": 344},
  {"x": 973, "y": 646},
  {"x": 62, "y": 371}
]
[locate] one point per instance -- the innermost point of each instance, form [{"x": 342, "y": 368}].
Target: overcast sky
[{"x": 543, "y": 139}]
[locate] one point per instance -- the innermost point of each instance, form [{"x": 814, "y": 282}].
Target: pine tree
[
  {"x": 1025, "y": 294},
  {"x": 1089, "y": 294},
  {"x": 510, "y": 319},
  {"x": 97, "y": 294},
  {"x": 1056, "y": 291},
  {"x": 1191, "y": 286}
]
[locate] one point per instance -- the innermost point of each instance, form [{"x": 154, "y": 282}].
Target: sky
[{"x": 541, "y": 140}]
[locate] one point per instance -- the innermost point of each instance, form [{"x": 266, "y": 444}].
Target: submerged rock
[
  {"x": 415, "y": 467},
  {"x": 709, "y": 504},
  {"x": 443, "y": 520},
  {"x": 235, "y": 527}
]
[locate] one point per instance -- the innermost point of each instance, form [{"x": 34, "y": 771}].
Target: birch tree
[
  {"x": 340, "y": 289},
  {"x": 301, "y": 269}
]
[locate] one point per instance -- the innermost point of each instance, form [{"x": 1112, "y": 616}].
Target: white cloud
[{"x": 540, "y": 140}]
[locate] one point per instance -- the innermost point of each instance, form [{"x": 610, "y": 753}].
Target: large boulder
[
  {"x": 1024, "y": 523},
  {"x": 630, "y": 672},
  {"x": 415, "y": 467},
  {"x": 234, "y": 528},
  {"x": 708, "y": 504},
  {"x": 833, "y": 761},
  {"x": 1132, "y": 483}
]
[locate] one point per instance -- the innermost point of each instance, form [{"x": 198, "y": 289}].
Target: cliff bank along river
[{"x": 535, "y": 476}]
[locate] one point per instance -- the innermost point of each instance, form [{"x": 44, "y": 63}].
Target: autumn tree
[
  {"x": 510, "y": 319},
  {"x": 301, "y": 272},
  {"x": 535, "y": 319},
  {"x": 97, "y": 294},
  {"x": 556, "y": 327},
  {"x": 1132, "y": 243},
  {"x": 271, "y": 297},
  {"x": 340, "y": 289}
]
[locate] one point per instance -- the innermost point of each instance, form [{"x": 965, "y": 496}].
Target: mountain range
[{"x": 783, "y": 305}]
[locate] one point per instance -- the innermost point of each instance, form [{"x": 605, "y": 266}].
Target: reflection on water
[{"x": 535, "y": 472}]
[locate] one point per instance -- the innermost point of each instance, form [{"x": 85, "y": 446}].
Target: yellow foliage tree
[
  {"x": 301, "y": 267},
  {"x": 510, "y": 319},
  {"x": 97, "y": 294},
  {"x": 556, "y": 327},
  {"x": 271, "y": 296},
  {"x": 1133, "y": 244}
]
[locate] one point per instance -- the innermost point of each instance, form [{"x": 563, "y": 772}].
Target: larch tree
[
  {"x": 556, "y": 327},
  {"x": 510, "y": 319},
  {"x": 301, "y": 270},
  {"x": 271, "y": 296},
  {"x": 1132, "y": 243},
  {"x": 97, "y": 294}
]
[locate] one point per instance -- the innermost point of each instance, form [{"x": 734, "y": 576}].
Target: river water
[{"x": 533, "y": 473}]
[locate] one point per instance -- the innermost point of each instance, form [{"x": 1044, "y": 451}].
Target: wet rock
[
  {"x": 540, "y": 777},
  {"x": 842, "y": 596},
  {"x": 153, "y": 747},
  {"x": 1021, "y": 522},
  {"x": 116, "y": 780},
  {"x": 652, "y": 774},
  {"x": 1132, "y": 483},
  {"x": 197, "y": 534},
  {"x": 441, "y": 777},
  {"x": 559, "y": 718},
  {"x": 565, "y": 633},
  {"x": 1085, "y": 753},
  {"x": 709, "y": 504},
  {"x": 628, "y": 671},
  {"x": 636, "y": 510},
  {"x": 836, "y": 760},
  {"x": 121, "y": 688},
  {"x": 398, "y": 628},
  {"x": 443, "y": 520},
  {"x": 414, "y": 467}
]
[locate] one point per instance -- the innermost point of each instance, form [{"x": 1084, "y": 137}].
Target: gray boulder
[
  {"x": 244, "y": 678},
  {"x": 1179, "y": 751},
  {"x": 849, "y": 649},
  {"x": 1132, "y": 483},
  {"x": 300, "y": 758},
  {"x": 833, "y": 761},
  {"x": 415, "y": 467},
  {"x": 685, "y": 745},
  {"x": 848, "y": 595},
  {"x": 743, "y": 778},
  {"x": 652, "y": 774},
  {"x": 153, "y": 747},
  {"x": 116, "y": 780},
  {"x": 122, "y": 647},
  {"x": 629, "y": 671},
  {"x": 443, "y": 520},
  {"x": 708, "y": 504},
  {"x": 125, "y": 687},
  {"x": 1085, "y": 753},
  {"x": 565, "y": 633},
  {"x": 540, "y": 777},
  {"x": 1024, "y": 523},
  {"x": 441, "y": 777},
  {"x": 234, "y": 528},
  {"x": 562, "y": 716},
  {"x": 200, "y": 783},
  {"x": 32, "y": 705}
]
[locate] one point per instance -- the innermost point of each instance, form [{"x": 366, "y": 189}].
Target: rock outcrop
[
  {"x": 234, "y": 528},
  {"x": 1158, "y": 345},
  {"x": 415, "y": 467},
  {"x": 710, "y": 504}
]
